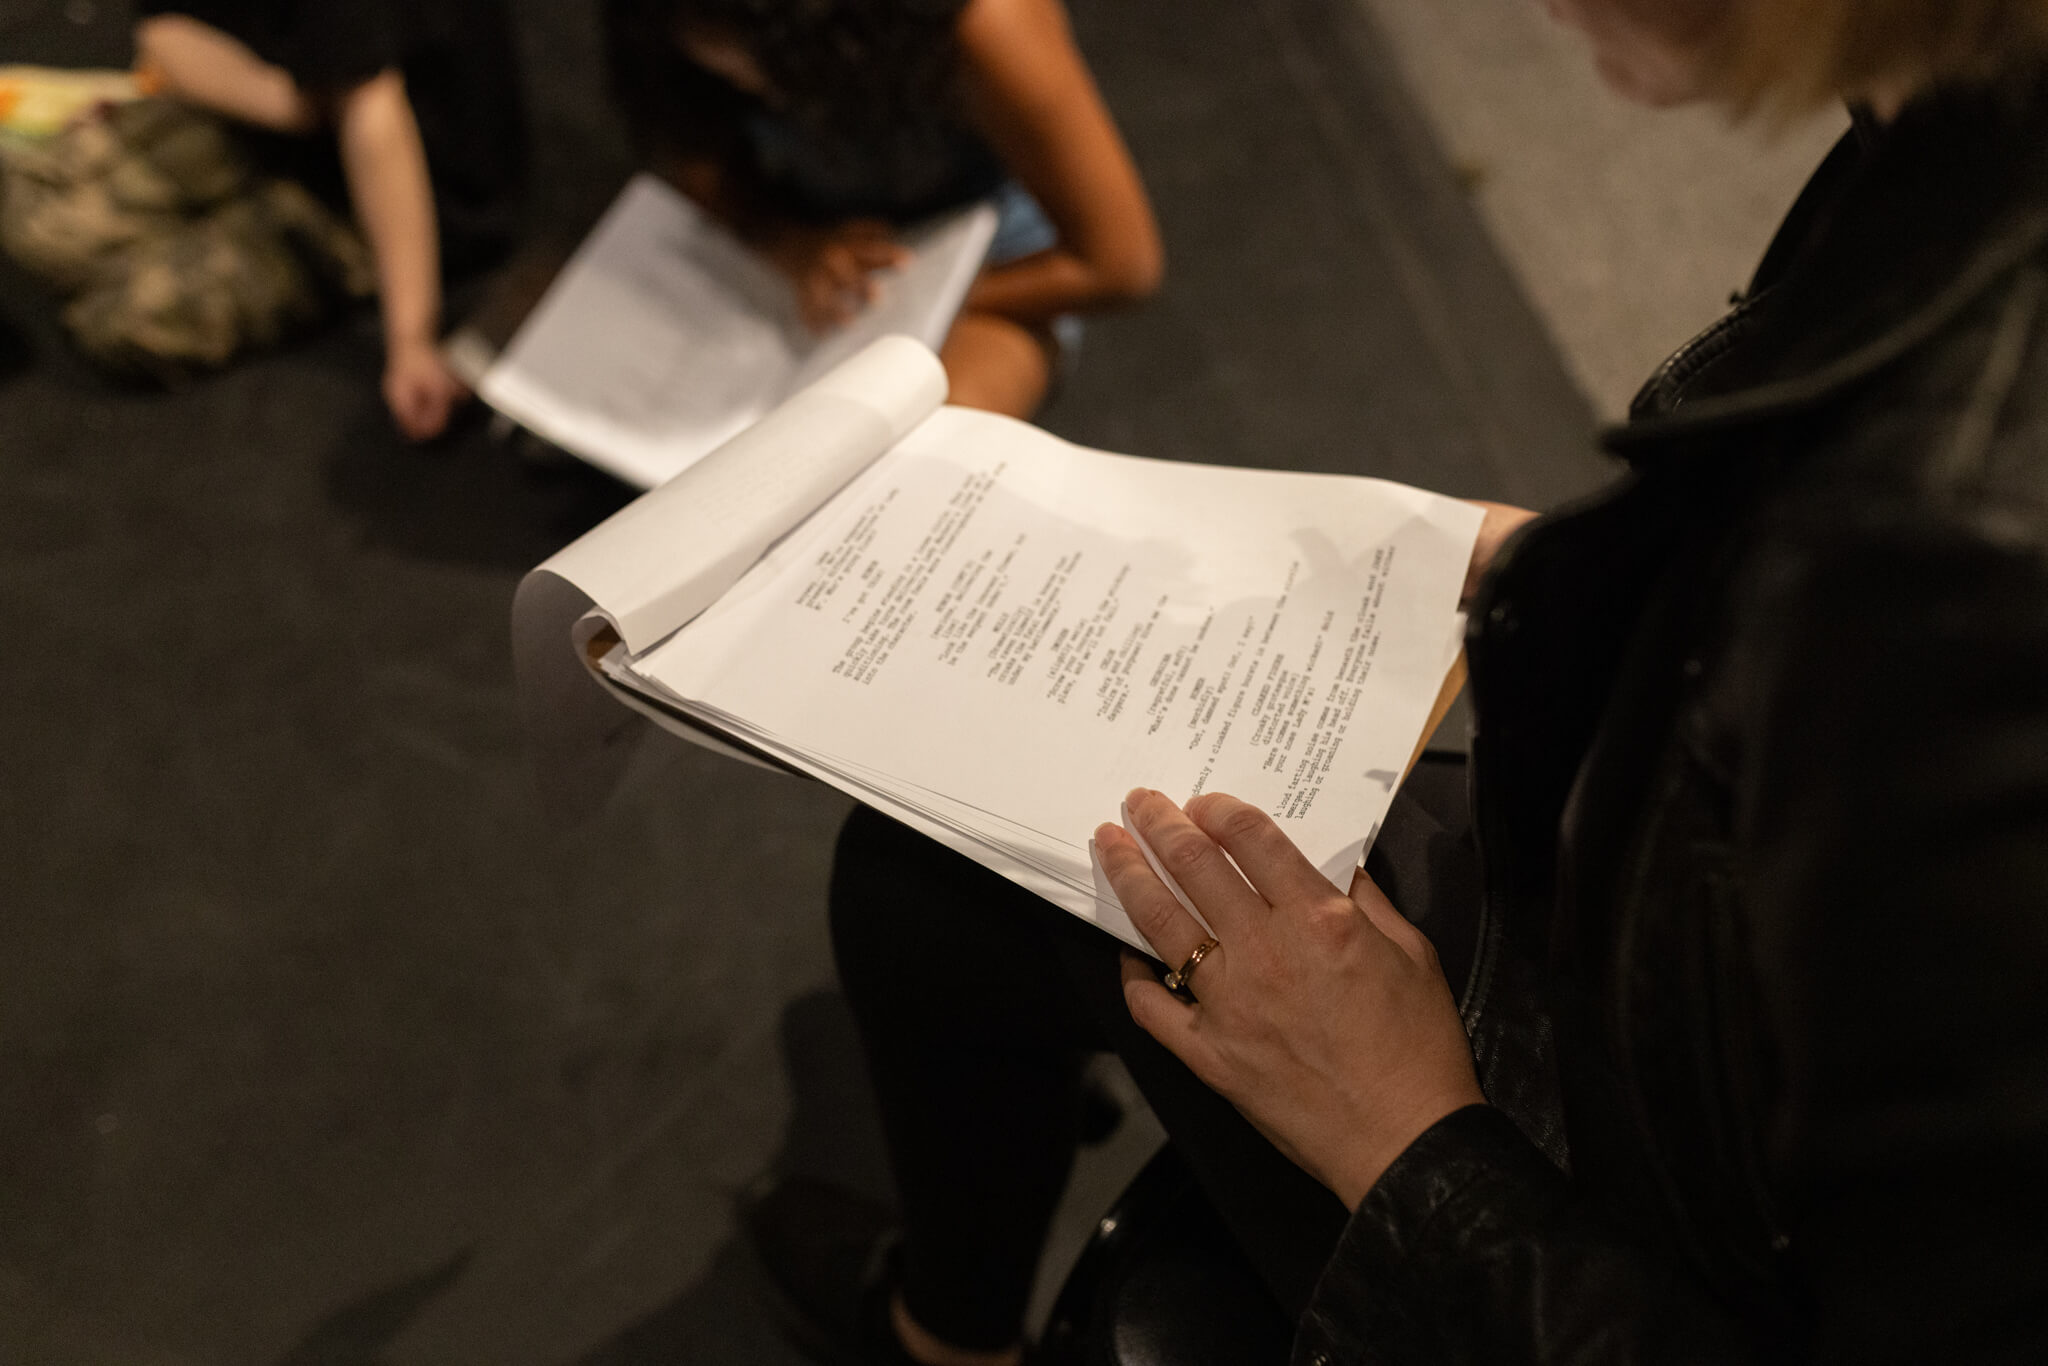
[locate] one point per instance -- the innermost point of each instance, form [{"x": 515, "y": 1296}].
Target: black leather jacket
[{"x": 1761, "y": 777}]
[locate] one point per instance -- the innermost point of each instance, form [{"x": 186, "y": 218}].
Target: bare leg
[{"x": 998, "y": 364}]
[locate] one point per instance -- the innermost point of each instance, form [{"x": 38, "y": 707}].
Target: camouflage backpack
[{"x": 174, "y": 254}]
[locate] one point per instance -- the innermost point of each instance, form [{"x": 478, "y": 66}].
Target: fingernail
[
  {"x": 1106, "y": 833},
  {"x": 1136, "y": 795}
]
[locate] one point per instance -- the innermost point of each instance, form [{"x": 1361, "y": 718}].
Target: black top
[
  {"x": 460, "y": 73},
  {"x": 928, "y": 162},
  {"x": 1759, "y": 775}
]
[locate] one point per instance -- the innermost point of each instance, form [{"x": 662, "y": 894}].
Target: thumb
[{"x": 1159, "y": 1012}]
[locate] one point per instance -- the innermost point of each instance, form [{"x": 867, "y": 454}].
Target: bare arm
[
  {"x": 387, "y": 179},
  {"x": 1035, "y": 102},
  {"x": 202, "y": 65}
]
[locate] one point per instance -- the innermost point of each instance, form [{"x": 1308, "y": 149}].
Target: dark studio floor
[{"x": 315, "y": 1045}]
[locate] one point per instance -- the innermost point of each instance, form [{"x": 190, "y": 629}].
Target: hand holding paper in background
[{"x": 665, "y": 335}]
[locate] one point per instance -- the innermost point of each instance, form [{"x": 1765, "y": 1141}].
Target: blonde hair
[{"x": 1787, "y": 56}]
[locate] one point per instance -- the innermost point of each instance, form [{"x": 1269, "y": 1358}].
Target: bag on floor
[{"x": 176, "y": 256}]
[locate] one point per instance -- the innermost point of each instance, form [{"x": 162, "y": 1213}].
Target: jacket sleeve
[
  {"x": 1472, "y": 1248},
  {"x": 1893, "y": 842}
]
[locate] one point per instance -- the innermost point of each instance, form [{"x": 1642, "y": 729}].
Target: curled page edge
[
  {"x": 672, "y": 552},
  {"x": 579, "y": 739},
  {"x": 641, "y": 574}
]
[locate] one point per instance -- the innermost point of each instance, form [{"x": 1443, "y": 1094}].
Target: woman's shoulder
[{"x": 1948, "y": 440}]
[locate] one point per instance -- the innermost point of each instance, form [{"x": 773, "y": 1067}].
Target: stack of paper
[{"x": 993, "y": 635}]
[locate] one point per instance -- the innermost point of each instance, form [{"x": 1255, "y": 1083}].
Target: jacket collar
[{"x": 1900, "y": 229}]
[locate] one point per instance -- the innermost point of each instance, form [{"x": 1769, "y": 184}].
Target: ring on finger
[{"x": 1181, "y": 978}]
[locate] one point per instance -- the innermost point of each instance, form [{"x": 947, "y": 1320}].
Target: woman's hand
[
  {"x": 420, "y": 389},
  {"x": 1323, "y": 1018},
  {"x": 833, "y": 269},
  {"x": 1502, "y": 521}
]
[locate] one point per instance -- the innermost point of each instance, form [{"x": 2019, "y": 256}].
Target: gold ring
[{"x": 1178, "y": 980}]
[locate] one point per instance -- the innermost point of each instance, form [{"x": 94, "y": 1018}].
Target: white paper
[
  {"x": 1003, "y": 634},
  {"x": 671, "y": 553},
  {"x": 664, "y": 336}
]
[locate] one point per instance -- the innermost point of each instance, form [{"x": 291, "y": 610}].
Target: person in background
[
  {"x": 421, "y": 103},
  {"x": 1760, "y": 788},
  {"x": 815, "y": 131}
]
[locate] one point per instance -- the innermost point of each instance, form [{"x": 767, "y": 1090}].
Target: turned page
[
  {"x": 670, "y": 554},
  {"x": 1020, "y": 628}
]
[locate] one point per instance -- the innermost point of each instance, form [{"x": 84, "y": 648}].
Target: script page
[
  {"x": 661, "y": 338},
  {"x": 665, "y": 335},
  {"x": 1026, "y": 629}
]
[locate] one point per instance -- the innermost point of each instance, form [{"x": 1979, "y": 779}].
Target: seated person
[
  {"x": 816, "y": 130},
  {"x": 421, "y": 102},
  {"x": 1760, "y": 790}
]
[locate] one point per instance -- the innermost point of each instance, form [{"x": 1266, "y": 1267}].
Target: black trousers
[{"x": 979, "y": 1005}]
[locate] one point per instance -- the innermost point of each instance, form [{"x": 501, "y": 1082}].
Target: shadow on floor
[
  {"x": 358, "y": 1333},
  {"x": 728, "y": 1313},
  {"x": 465, "y": 498},
  {"x": 724, "y": 1317}
]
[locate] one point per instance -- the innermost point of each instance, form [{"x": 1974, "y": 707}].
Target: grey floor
[
  {"x": 315, "y": 1045},
  {"x": 1629, "y": 229}
]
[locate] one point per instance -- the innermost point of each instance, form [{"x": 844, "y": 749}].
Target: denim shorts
[{"x": 1022, "y": 229}]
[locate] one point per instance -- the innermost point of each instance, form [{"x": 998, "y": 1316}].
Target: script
[
  {"x": 665, "y": 335},
  {"x": 992, "y": 634}
]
